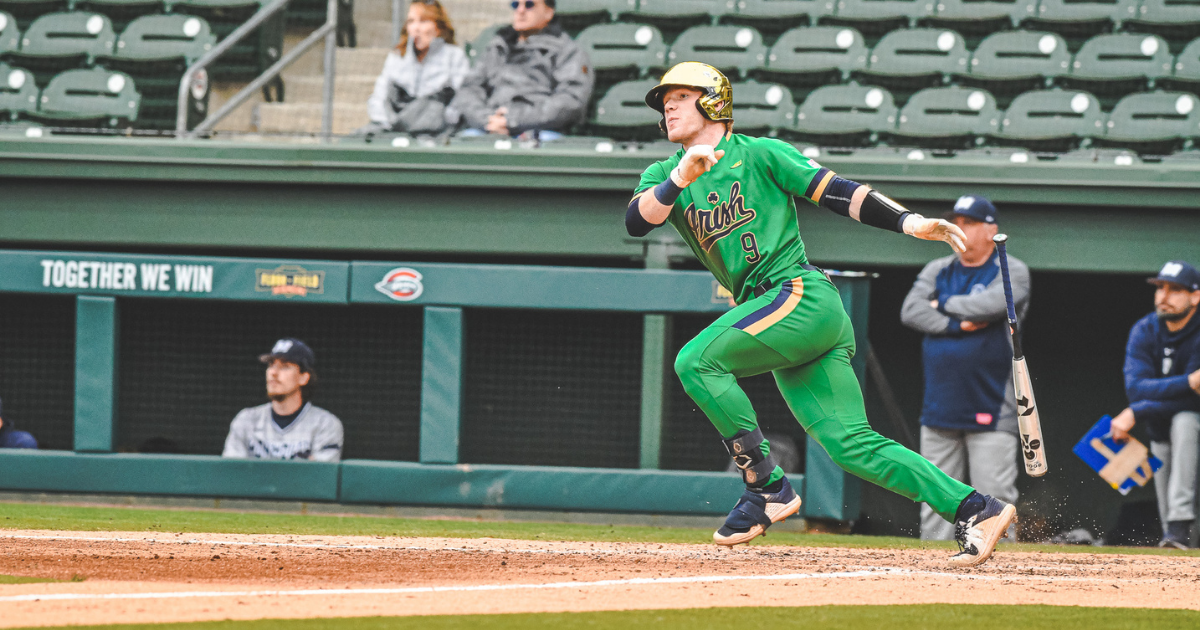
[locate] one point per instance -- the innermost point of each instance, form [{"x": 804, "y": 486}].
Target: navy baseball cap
[
  {"x": 1180, "y": 273},
  {"x": 292, "y": 350},
  {"x": 975, "y": 207}
]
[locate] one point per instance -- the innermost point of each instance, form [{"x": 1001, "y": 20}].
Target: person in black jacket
[{"x": 1162, "y": 381}]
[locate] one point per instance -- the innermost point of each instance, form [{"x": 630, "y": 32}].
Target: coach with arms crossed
[
  {"x": 290, "y": 426},
  {"x": 969, "y": 415},
  {"x": 1162, "y": 381}
]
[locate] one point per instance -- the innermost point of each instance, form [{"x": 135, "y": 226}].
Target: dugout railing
[{"x": 448, "y": 360}]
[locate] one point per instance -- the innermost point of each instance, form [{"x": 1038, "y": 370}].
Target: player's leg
[
  {"x": 947, "y": 450},
  {"x": 1162, "y": 482},
  {"x": 1181, "y": 488},
  {"x": 992, "y": 457},
  {"x": 825, "y": 396}
]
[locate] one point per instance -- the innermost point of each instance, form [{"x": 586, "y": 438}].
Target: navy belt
[{"x": 762, "y": 289}]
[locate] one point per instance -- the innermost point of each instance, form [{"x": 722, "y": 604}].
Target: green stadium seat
[
  {"x": 155, "y": 50},
  {"x": 875, "y": 18},
  {"x": 84, "y": 98},
  {"x": 623, "y": 51},
  {"x": 673, "y": 17},
  {"x": 760, "y": 109},
  {"x": 735, "y": 50},
  {"x": 622, "y": 113},
  {"x": 975, "y": 19},
  {"x": 121, "y": 12},
  {"x": 478, "y": 46},
  {"x": 1177, "y": 21},
  {"x": 1114, "y": 65},
  {"x": 252, "y": 55},
  {"x": 908, "y": 60},
  {"x": 1186, "y": 75},
  {"x": 1012, "y": 62},
  {"x": 576, "y": 15},
  {"x": 948, "y": 117},
  {"x": 10, "y": 35},
  {"x": 813, "y": 56},
  {"x": 1051, "y": 120},
  {"x": 1079, "y": 20},
  {"x": 26, "y": 11},
  {"x": 774, "y": 17},
  {"x": 18, "y": 93},
  {"x": 61, "y": 41},
  {"x": 1157, "y": 123},
  {"x": 844, "y": 115},
  {"x": 315, "y": 12}
]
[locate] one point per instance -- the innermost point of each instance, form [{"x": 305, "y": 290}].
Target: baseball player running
[{"x": 731, "y": 199}]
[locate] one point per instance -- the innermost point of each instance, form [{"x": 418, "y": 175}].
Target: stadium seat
[
  {"x": 61, "y": 41},
  {"x": 26, "y": 11},
  {"x": 1051, "y": 120},
  {"x": 622, "y": 114},
  {"x": 619, "y": 52},
  {"x": 1176, "y": 21},
  {"x": 1111, "y": 66},
  {"x": 121, "y": 12},
  {"x": 761, "y": 108},
  {"x": 673, "y": 17},
  {"x": 10, "y": 35},
  {"x": 252, "y": 55},
  {"x": 1079, "y": 20},
  {"x": 735, "y": 50},
  {"x": 948, "y": 117},
  {"x": 18, "y": 93},
  {"x": 975, "y": 19},
  {"x": 844, "y": 115},
  {"x": 1012, "y": 62},
  {"x": 155, "y": 50},
  {"x": 1157, "y": 123},
  {"x": 1186, "y": 75},
  {"x": 912, "y": 59},
  {"x": 874, "y": 18},
  {"x": 85, "y": 98},
  {"x": 576, "y": 15},
  {"x": 814, "y": 56},
  {"x": 774, "y": 17},
  {"x": 315, "y": 12}
]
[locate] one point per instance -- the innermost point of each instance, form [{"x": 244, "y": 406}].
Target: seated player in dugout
[
  {"x": 289, "y": 426},
  {"x": 731, "y": 199}
]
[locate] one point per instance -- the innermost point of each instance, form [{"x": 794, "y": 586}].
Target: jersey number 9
[{"x": 750, "y": 246}]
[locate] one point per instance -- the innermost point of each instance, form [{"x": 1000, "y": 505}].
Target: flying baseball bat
[{"x": 1028, "y": 422}]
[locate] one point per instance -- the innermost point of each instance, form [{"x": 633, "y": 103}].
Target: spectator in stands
[
  {"x": 1162, "y": 381},
  {"x": 969, "y": 415},
  {"x": 290, "y": 426},
  {"x": 10, "y": 437},
  {"x": 533, "y": 79},
  {"x": 420, "y": 77}
]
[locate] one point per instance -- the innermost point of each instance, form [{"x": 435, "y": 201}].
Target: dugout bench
[{"x": 433, "y": 297}]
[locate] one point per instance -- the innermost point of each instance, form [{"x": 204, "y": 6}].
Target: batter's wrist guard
[{"x": 746, "y": 450}]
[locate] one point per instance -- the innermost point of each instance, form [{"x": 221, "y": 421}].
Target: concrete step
[
  {"x": 375, "y": 34},
  {"x": 346, "y": 90},
  {"x": 306, "y": 117},
  {"x": 360, "y": 61}
]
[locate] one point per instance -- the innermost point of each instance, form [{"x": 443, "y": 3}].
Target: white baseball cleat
[
  {"x": 755, "y": 512},
  {"x": 977, "y": 536}
]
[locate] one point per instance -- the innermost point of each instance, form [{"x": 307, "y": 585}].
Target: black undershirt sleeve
[{"x": 635, "y": 223}]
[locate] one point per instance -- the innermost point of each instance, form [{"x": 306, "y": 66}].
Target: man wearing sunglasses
[{"x": 532, "y": 78}]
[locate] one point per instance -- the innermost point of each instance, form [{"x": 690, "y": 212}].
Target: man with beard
[
  {"x": 1162, "y": 380},
  {"x": 290, "y": 426}
]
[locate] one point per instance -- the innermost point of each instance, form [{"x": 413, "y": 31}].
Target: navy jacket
[
  {"x": 1157, "y": 362},
  {"x": 10, "y": 437},
  {"x": 968, "y": 375}
]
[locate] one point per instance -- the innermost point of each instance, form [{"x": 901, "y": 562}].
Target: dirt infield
[{"x": 159, "y": 577}]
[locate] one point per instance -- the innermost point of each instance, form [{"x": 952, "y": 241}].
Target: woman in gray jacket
[{"x": 421, "y": 76}]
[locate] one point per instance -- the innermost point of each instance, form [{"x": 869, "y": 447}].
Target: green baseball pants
[{"x": 800, "y": 332}]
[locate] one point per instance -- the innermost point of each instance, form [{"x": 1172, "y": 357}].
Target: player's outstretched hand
[
  {"x": 696, "y": 162},
  {"x": 936, "y": 230}
]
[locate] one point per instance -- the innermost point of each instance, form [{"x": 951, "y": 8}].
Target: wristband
[{"x": 667, "y": 192}]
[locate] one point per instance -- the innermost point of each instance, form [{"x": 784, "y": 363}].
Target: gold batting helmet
[{"x": 716, "y": 102}]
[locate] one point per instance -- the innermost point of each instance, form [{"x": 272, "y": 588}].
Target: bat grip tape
[{"x": 1008, "y": 295}]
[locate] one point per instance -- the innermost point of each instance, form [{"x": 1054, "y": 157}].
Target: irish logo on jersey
[
  {"x": 710, "y": 226},
  {"x": 401, "y": 284}
]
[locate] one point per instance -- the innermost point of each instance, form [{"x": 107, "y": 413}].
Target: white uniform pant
[
  {"x": 1175, "y": 482},
  {"x": 989, "y": 456}
]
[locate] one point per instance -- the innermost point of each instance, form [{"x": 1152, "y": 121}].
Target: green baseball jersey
[{"x": 740, "y": 217}]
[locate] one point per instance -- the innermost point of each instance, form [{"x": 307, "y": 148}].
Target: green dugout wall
[{"x": 109, "y": 291}]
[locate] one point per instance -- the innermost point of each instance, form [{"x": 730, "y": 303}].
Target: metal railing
[{"x": 328, "y": 31}]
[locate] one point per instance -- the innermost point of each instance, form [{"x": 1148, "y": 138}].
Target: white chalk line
[{"x": 877, "y": 572}]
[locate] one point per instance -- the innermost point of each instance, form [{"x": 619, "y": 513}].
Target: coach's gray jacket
[
  {"x": 544, "y": 81},
  {"x": 314, "y": 435}
]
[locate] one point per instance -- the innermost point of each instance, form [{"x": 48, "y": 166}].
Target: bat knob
[{"x": 1000, "y": 239}]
